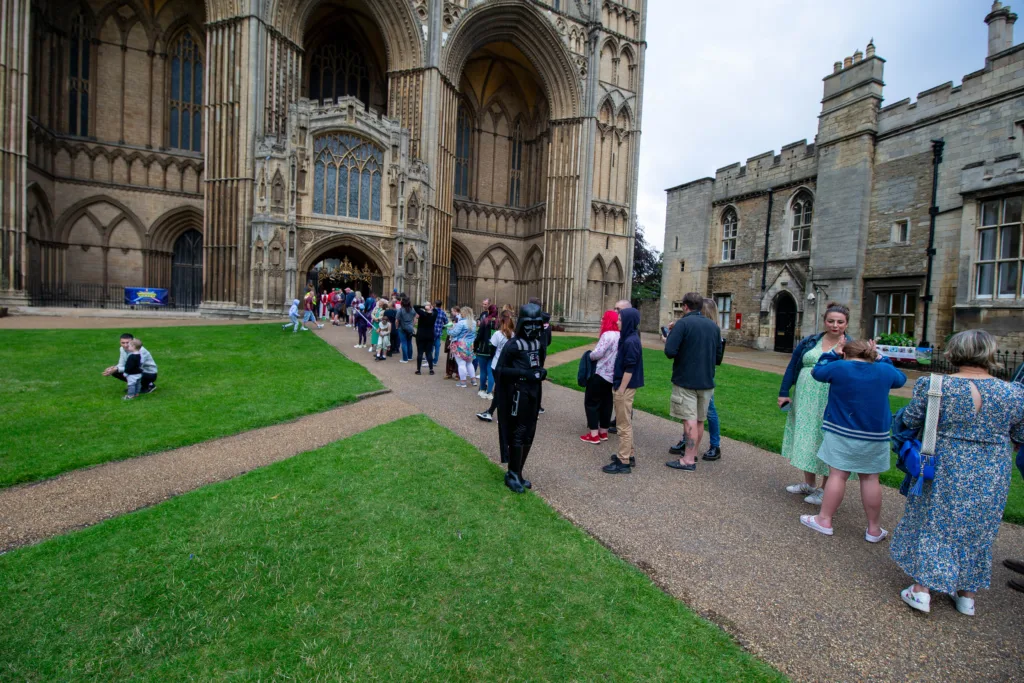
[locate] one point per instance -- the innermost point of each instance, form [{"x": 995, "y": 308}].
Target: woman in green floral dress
[{"x": 802, "y": 438}]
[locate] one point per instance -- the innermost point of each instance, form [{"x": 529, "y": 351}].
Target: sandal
[{"x": 810, "y": 522}]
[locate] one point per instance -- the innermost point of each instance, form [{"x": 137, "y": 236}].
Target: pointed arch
[
  {"x": 597, "y": 269},
  {"x": 799, "y": 218},
  {"x": 507, "y": 254},
  {"x": 184, "y": 89},
  {"x": 81, "y": 208}
]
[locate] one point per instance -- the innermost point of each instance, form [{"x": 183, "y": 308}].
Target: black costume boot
[{"x": 512, "y": 481}]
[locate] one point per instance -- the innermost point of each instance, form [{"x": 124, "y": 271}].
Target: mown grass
[
  {"x": 394, "y": 555},
  {"x": 746, "y": 401},
  {"x": 60, "y": 414},
  {"x": 560, "y": 342}
]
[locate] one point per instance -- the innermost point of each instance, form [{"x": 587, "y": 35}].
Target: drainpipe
[
  {"x": 933, "y": 211},
  {"x": 767, "y": 230}
]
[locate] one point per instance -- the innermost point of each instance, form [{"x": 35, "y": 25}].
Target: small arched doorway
[
  {"x": 187, "y": 270},
  {"x": 345, "y": 267},
  {"x": 785, "y": 322}
]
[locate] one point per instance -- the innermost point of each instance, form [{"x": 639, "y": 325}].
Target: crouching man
[{"x": 148, "y": 365}]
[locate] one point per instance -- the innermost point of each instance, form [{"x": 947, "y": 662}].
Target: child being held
[
  {"x": 383, "y": 338},
  {"x": 133, "y": 369}
]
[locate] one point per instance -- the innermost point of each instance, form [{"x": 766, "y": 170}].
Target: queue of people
[{"x": 835, "y": 393}]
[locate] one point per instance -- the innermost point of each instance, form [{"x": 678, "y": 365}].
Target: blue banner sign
[{"x": 145, "y": 296}]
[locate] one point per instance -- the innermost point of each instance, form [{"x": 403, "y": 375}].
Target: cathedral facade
[
  {"x": 234, "y": 151},
  {"x": 909, "y": 213}
]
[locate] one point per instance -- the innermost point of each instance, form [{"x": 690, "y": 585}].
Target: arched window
[
  {"x": 79, "y": 46},
  {"x": 185, "y": 123},
  {"x": 336, "y": 70},
  {"x": 730, "y": 229},
  {"x": 800, "y": 230},
  {"x": 347, "y": 176},
  {"x": 516, "y": 169},
  {"x": 463, "y": 133}
]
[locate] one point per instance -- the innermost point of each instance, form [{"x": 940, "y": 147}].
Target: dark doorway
[
  {"x": 785, "y": 322},
  {"x": 453, "y": 285},
  {"x": 346, "y": 267},
  {"x": 187, "y": 270}
]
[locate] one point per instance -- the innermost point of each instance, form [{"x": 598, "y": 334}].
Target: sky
[{"x": 726, "y": 80}]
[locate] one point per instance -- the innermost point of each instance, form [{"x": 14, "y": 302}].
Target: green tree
[{"x": 647, "y": 262}]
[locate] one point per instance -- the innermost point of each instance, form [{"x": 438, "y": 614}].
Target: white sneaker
[
  {"x": 875, "y": 539},
  {"x": 489, "y": 396},
  {"x": 963, "y": 605},
  {"x": 815, "y": 498},
  {"x": 403, "y": 361},
  {"x": 922, "y": 602},
  {"x": 481, "y": 394},
  {"x": 800, "y": 488},
  {"x": 358, "y": 346}
]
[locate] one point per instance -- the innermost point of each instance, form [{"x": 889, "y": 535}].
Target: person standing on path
[
  {"x": 451, "y": 367},
  {"x": 463, "y": 334},
  {"x": 426, "y": 316},
  {"x": 597, "y": 400},
  {"x": 802, "y": 438},
  {"x": 520, "y": 373},
  {"x": 714, "y": 452},
  {"x": 149, "y": 369},
  {"x": 506, "y": 329},
  {"x": 391, "y": 313},
  {"x": 485, "y": 351},
  {"x": 944, "y": 539},
  {"x": 439, "y": 326},
  {"x": 856, "y": 430},
  {"x": 627, "y": 377},
  {"x": 376, "y": 316},
  {"x": 693, "y": 345},
  {"x": 362, "y": 324},
  {"x": 406, "y": 317},
  {"x": 349, "y": 296}
]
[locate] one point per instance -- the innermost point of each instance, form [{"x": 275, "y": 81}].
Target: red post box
[{"x": 739, "y": 320}]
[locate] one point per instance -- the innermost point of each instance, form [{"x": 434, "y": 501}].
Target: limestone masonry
[
  {"x": 849, "y": 217},
  {"x": 233, "y": 152}
]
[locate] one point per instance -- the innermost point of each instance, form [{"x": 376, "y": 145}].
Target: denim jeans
[
  {"x": 308, "y": 316},
  {"x": 486, "y": 374},
  {"x": 714, "y": 433},
  {"x": 406, "y": 341},
  {"x": 437, "y": 348}
]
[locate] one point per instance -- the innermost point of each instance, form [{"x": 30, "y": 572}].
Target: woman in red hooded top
[{"x": 597, "y": 401}]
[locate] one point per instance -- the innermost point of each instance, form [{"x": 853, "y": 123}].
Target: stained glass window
[
  {"x": 347, "y": 176},
  {"x": 463, "y": 133},
  {"x": 336, "y": 70},
  {"x": 186, "y": 96},
  {"x": 516, "y": 172}
]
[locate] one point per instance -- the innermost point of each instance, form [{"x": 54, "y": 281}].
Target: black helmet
[{"x": 530, "y": 323}]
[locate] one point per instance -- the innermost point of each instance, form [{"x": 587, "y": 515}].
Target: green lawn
[
  {"x": 560, "y": 342},
  {"x": 59, "y": 414},
  {"x": 364, "y": 560},
  {"x": 747, "y": 406}
]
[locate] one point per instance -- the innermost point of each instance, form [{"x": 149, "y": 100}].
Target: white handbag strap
[{"x": 931, "y": 417}]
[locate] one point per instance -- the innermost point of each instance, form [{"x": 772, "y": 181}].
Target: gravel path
[
  {"x": 727, "y": 540},
  {"x": 84, "y": 497}
]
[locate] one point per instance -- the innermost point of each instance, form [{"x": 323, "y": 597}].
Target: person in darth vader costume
[{"x": 520, "y": 371}]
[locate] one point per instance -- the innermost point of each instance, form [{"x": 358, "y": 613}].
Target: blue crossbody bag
[{"x": 917, "y": 458}]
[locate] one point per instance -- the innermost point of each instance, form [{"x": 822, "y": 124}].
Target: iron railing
[
  {"x": 110, "y": 297},
  {"x": 1007, "y": 360}
]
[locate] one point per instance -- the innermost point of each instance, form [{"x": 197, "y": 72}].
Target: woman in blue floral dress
[{"x": 944, "y": 540}]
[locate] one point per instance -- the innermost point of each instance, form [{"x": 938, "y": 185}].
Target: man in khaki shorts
[{"x": 693, "y": 345}]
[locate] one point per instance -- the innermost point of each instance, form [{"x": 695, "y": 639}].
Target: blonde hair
[
  {"x": 972, "y": 348},
  {"x": 467, "y": 314},
  {"x": 135, "y": 343},
  {"x": 710, "y": 310}
]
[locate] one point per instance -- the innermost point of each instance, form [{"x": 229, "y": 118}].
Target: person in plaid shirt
[{"x": 442, "y": 320}]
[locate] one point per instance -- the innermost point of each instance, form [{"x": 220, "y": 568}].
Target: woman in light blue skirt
[{"x": 855, "y": 430}]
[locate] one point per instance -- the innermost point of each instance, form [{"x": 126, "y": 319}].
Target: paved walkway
[
  {"x": 728, "y": 541},
  {"x": 84, "y": 497}
]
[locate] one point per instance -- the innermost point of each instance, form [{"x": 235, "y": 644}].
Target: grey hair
[{"x": 972, "y": 348}]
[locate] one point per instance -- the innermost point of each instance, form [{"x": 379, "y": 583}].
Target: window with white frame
[
  {"x": 800, "y": 225},
  {"x": 730, "y": 228},
  {"x": 901, "y": 232},
  {"x": 724, "y": 303},
  {"x": 894, "y": 313},
  {"x": 999, "y": 259}
]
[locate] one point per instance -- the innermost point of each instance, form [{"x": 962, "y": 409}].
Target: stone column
[
  {"x": 564, "y": 237},
  {"x": 234, "y": 54},
  {"x": 14, "y": 58}
]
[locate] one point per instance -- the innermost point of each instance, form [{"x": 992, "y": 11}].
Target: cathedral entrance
[
  {"x": 187, "y": 270},
  {"x": 346, "y": 267}
]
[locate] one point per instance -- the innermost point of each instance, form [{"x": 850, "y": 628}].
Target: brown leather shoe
[{"x": 1015, "y": 565}]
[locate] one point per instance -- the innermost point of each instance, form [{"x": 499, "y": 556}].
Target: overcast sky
[{"x": 729, "y": 79}]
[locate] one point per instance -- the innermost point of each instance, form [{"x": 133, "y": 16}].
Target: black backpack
[{"x": 585, "y": 371}]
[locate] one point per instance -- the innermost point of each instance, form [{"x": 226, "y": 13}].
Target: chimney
[{"x": 1000, "y": 28}]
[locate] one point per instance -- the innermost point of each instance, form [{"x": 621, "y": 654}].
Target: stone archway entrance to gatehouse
[{"x": 346, "y": 261}]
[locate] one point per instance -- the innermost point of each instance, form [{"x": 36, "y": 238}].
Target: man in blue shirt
[{"x": 442, "y": 320}]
